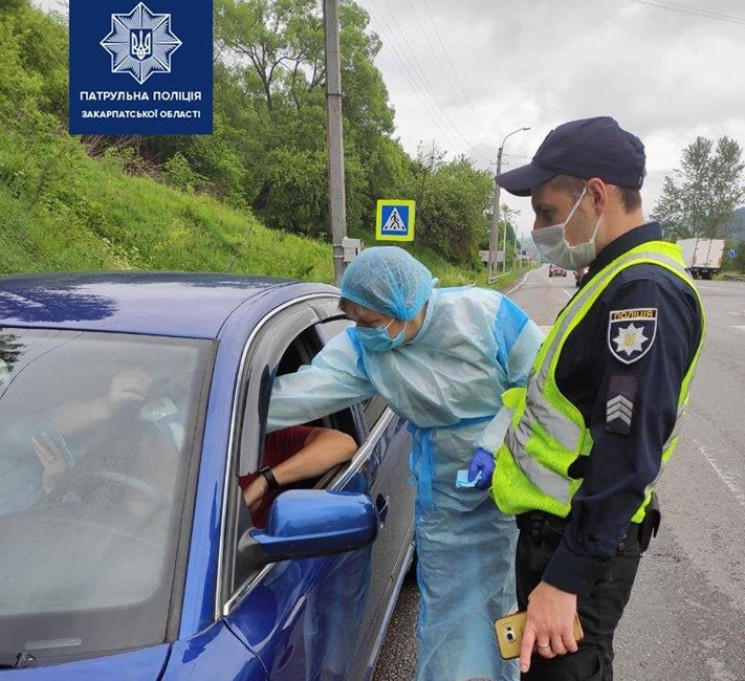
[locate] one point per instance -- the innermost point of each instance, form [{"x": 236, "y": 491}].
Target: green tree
[
  {"x": 271, "y": 70},
  {"x": 33, "y": 66},
  {"x": 711, "y": 188},
  {"x": 281, "y": 40},
  {"x": 453, "y": 199},
  {"x": 737, "y": 262}
]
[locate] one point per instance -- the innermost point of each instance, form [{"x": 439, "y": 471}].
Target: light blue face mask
[
  {"x": 552, "y": 242},
  {"x": 378, "y": 339}
]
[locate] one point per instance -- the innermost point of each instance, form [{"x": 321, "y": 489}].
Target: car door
[{"x": 316, "y": 618}]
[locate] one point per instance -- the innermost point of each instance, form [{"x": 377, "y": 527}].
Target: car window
[
  {"x": 96, "y": 438},
  {"x": 286, "y": 353}
]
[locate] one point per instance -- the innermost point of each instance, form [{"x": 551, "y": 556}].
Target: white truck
[{"x": 703, "y": 257}]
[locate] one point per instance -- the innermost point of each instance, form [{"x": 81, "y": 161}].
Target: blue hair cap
[{"x": 387, "y": 279}]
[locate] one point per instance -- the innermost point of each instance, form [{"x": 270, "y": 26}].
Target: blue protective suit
[{"x": 447, "y": 381}]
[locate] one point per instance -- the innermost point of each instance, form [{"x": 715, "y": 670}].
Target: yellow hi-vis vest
[{"x": 547, "y": 433}]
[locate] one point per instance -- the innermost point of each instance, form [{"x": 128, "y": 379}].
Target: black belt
[{"x": 545, "y": 528}]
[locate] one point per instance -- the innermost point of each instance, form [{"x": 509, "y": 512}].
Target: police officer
[{"x": 600, "y": 416}]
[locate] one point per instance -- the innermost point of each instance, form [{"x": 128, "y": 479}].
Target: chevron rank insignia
[
  {"x": 619, "y": 409},
  {"x": 631, "y": 333}
]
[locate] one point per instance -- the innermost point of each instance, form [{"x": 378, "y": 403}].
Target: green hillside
[{"x": 65, "y": 211}]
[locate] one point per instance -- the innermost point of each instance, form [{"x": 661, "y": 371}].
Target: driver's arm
[
  {"x": 320, "y": 450},
  {"x": 127, "y": 387}
]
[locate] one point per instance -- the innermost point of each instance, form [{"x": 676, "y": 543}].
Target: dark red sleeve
[
  {"x": 278, "y": 447},
  {"x": 282, "y": 444}
]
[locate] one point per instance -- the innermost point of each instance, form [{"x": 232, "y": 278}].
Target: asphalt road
[{"x": 686, "y": 617}]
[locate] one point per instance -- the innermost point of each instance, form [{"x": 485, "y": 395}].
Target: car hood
[{"x": 143, "y": 665}]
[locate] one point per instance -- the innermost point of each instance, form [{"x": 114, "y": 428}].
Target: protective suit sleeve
[
  {"x": 334, "y": 380},
  {"x": 518, "y": 339}
]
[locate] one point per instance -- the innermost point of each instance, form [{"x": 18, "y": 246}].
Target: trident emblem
[{"x": 141, "y": 43}]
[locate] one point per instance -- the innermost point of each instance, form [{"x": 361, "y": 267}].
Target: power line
[
  {"x": 432, "y": 93},
  {"x": 416, "y": 76},
  {"x": 412, "y": 77},
  {"x": 392, "y": 29},
  {"x": 460, "y": 91},
  {"x": 687, "y": 9}
]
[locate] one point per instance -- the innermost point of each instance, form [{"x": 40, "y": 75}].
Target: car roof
[{"x": 159, "y": 303}]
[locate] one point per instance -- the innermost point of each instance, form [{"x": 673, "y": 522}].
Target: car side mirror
[{"x": 309, "y": 522}]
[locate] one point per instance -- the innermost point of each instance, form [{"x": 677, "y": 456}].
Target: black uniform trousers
[{"x": 599, "y": 611}]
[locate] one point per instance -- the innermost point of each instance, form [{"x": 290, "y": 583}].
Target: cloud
[{"x": 467, "y": 74}]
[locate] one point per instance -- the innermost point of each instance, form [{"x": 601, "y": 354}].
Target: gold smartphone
[{"x": 510, "y": 633}]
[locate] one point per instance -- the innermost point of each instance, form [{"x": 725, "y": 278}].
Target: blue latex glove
[{"x": 483, "y": 461}]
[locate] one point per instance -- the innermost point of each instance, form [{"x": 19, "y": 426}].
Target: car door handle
[{"x": 382, "y": 504}]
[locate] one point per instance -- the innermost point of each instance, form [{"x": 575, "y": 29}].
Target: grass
[{"x": 65, "y": 211}]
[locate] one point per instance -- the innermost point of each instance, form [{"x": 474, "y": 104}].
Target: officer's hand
[
  {"x": 549, "y": 630},
  {"x": 482, "y": 461}
]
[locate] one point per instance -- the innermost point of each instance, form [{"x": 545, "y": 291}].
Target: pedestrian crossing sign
[{"x": 395, "y": 220}]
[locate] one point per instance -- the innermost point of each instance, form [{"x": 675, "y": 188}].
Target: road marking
[
  {"x": 730, "y": 484},
  {"x": 520, "y": 283},
  {"x": 739, "y": 328}
]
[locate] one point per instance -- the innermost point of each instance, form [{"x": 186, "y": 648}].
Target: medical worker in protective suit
[{"x": 441, "y": 358}]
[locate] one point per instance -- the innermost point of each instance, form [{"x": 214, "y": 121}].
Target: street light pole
[{"x": 494, "y": 233}]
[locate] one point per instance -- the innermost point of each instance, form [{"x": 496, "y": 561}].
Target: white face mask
[{"x": 552, "y": 242}]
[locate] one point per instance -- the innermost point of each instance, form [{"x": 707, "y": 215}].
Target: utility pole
[
  {"x": 335, "y": 136},
  {"x": 494, "y": 233},
  {"x": 507, "y": 211}
]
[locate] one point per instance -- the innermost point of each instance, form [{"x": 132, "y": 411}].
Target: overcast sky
[{"x": 465, "y": 73}]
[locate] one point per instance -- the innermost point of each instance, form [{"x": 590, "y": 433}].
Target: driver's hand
[
  {"x": 129, "y": 386},
  {"x": 254, "y": 493},
  {"x": 52, "y": 459}
]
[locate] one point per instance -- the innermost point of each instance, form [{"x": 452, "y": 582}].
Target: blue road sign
[
  {"x": 395, "y": 220},
  {"x": 732, "y": 253}
]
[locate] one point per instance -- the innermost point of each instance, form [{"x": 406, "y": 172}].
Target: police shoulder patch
[{"x": 631, "y": 333}]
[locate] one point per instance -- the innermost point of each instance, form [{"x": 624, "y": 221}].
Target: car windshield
[{"x": 97, "y": 434}]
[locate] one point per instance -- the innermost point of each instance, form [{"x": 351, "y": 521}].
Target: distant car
[
  {"x": 556, "y": 271},
  {"x": 134, "y": 556},
  {"x": 579, "y": 275}
]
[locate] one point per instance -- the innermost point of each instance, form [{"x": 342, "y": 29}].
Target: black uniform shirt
[{"x": 623, "y": 367}]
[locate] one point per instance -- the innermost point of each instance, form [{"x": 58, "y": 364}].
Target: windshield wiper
[{"x": 17, "y": 661}]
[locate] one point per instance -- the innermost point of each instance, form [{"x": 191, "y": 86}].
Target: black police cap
[{"x": 590, "y": 147}]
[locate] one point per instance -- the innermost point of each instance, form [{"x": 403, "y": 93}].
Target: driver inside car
[{"x": 124, "y": 423}]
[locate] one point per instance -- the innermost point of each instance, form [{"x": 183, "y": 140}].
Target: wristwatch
[{"x": 271, "y": 481}]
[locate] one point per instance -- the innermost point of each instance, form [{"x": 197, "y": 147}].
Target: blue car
[{"x": 127, "y": 549}]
